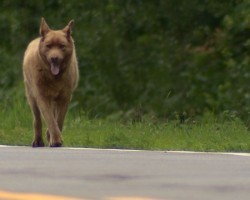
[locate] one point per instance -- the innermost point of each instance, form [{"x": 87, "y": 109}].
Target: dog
[{"x": 50, "y": 71}]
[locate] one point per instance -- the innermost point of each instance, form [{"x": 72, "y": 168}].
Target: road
[{"x": 62, "y": 173}]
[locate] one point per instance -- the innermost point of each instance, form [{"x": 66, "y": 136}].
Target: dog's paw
[
  {"x": 55, "y": 141},
  {"x": 56, "y": 144},
  {"x": 38, "y": 143}
]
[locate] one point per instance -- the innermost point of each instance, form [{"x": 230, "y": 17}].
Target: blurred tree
[{"x": 159, "y": 56}]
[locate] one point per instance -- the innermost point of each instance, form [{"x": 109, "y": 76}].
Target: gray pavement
[{"x": 103, "y": 174}]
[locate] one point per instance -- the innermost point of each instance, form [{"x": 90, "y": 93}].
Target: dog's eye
[
  {"x": 49, "y": 46},
  {"x": 62, "y": 46}
]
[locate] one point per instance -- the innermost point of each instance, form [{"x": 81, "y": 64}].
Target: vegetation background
[{"x": 161, "y": 58}]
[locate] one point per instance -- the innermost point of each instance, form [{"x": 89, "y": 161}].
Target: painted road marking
[
  {"x": 215, "y": 153},
  {"x": 129, "y": 198},
  {"x": 134, "y": 150},
  {"x": 31, "y": 196}
]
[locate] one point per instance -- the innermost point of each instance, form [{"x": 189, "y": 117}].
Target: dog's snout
[{"x": 54, "y": 59}]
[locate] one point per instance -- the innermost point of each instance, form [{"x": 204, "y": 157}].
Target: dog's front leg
[{"x": 47, "y": 109}]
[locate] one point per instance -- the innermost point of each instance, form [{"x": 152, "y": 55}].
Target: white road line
[
  {"x": 217, "y": 153},
  {"x": 132, "y": 150}
]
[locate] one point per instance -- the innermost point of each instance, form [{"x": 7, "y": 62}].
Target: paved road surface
[{"x": 27, "y": 173}]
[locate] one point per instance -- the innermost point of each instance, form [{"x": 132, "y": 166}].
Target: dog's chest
[{"x": 54, "y": 88}]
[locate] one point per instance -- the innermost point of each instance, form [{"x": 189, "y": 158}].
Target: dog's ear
[
  {"x": 44, "y": 28},
  {"x": 68, "y": 29}
]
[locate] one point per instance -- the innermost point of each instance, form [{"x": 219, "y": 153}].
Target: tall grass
[
  {"x": 16, "y": 119},
  {"x": 207, "y": 133}
]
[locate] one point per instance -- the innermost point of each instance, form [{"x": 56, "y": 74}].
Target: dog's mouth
[
  {"x": 55, "y": 69},
  {"x": 55, "y": 65}
]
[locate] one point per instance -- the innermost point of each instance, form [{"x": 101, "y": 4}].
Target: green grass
[{"x": 210, "y": 133}]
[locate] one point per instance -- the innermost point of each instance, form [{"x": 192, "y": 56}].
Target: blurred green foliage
[{"x": 141, "y": 56}]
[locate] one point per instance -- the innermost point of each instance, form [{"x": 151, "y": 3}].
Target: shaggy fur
[{"x": 50, "y": 74}]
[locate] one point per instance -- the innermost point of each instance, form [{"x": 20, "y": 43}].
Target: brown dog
[{"x": 50, "y": 74}]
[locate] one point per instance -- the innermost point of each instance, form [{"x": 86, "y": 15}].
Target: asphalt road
[{"x": 114, "y": 174}]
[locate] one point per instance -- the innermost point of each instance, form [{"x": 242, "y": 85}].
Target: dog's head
[{"x": 56, "y": 46}]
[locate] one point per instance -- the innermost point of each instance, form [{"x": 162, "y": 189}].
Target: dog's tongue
[{"x": 55, "y": 69}]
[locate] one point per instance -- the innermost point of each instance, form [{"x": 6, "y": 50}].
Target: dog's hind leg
[{"x": 62, "y": 108}]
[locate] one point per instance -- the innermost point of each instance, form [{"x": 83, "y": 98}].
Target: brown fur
[{"x": 50, "y": 74}]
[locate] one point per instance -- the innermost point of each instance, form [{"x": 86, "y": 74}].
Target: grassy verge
[
  {"x": 207, "y": 134},
  {"x": 210, "y": 134}
]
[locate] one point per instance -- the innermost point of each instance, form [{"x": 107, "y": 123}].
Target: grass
[{"x": 210, "y": 133}]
